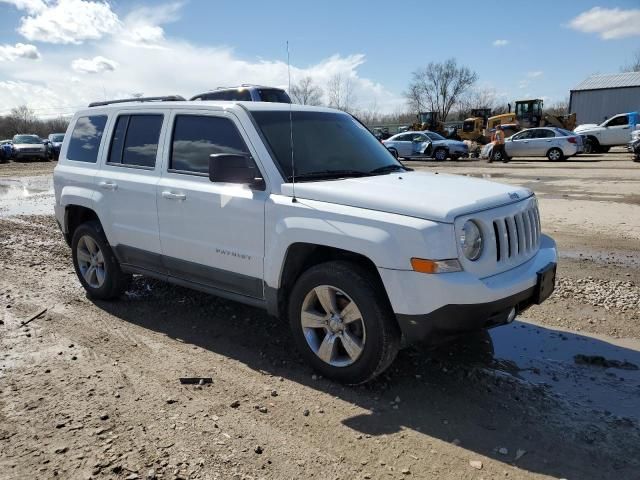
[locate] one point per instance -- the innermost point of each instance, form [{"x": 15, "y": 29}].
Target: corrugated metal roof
[{"x": 614, "y": 80}]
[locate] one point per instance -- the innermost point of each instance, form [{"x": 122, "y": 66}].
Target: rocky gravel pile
[{"x": 609, "y": 294}]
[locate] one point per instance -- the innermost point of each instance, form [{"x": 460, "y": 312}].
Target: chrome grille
[{"x": 517, "y": 235}]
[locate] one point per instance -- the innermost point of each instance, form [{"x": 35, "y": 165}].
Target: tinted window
[
  {"x": 524, "y": 135},
  {"x": 135, "y": 140},
  {"x": 618, "y": 121},
  {"x": 403, "y": 138},
  {"x": 197, "y": 137},
  {"x": 322, "y": 142},
  {"x": 273, "y": 95},
  {"x": 434, "y": 136},
  {"x": 545, "y": 133},
  {"x": 85, "y": 138}
]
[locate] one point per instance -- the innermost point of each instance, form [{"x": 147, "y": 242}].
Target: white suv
[{"x": 357, "y": 253}]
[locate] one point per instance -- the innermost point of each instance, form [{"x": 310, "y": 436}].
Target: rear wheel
[
  {"x": 96, "y": 266},
  {"x": 342, "y": 323},
  {"x": 555, "y": 154},
  {"x": 591, "y": 145}
]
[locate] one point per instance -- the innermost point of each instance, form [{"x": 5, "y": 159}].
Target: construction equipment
[
  {"x": 473, "y": 128},
  {"x": 530, "y": 114},
  {"x": 431, "y": 121}
]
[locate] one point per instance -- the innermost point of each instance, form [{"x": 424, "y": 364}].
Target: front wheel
[
  {"x": 342, "y": 323},
  {"x": 440, "y": 154}
]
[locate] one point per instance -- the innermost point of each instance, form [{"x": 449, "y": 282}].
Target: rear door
[
  {"x": 404, "y": 145},
  {"x": 543, "y": 141},
  {"x": 127, "y": 182},
  {"x": 212, "y": 234}
]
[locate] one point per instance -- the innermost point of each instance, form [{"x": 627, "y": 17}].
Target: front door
[
  {"x": 211, "y": 234},
  {"x": 618, "y": 131},
  {"x": 519, "y": 145}
]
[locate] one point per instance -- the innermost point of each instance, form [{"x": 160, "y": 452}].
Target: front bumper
[
  {"x": 17, "y": 154},
  {"x": 432, "y": 307}
]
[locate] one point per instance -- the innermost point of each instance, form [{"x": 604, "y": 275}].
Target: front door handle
[
  {"x": 108, "y": 185},
  {"x": 173, "y": 196}
]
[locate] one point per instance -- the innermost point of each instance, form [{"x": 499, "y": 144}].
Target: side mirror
[{"x": 232, "y": 168}]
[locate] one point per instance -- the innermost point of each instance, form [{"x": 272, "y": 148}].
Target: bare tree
[
  {"x": 476, "y": 98},
  {"x": 439, "y": 86},
  {"x": 305, "y": 92},
  {"x": 634, "y": 65},
  {"x": 21, "y": 120},
  {"x": 560, "y": 107},
  {"x": 340, "y": 93}
]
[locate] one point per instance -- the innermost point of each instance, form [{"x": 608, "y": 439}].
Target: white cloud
[
  {"x": 536, "y": 74},
  {"x": 500, "y": 43},
  {"x": 93, "y": 65},
  {"x": 19, "y": 50},
  {"x": 67, "y": 21},
  {"x": 31, "y": 6},
  {"x": 609, "y": 23},
  {"x": 120, "y": 66}
]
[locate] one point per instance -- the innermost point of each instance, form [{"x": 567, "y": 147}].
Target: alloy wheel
[
  {"x": 333, "y": 326},
  {"x": 90, "y": 261}
]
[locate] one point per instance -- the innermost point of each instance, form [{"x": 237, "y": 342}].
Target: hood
[
  {"x": 431, "y": 196},
  {"x": 586, "y": 126},
  {"x": 20, "y": 146}
]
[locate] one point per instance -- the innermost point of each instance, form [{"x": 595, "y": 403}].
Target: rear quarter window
[{"x": 85, "y": 138}]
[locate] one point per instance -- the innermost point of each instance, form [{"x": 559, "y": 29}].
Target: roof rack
[{"x": 166, "y": 98}]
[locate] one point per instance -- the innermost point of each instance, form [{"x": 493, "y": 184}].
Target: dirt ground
[{"x": 91, "y": 389}]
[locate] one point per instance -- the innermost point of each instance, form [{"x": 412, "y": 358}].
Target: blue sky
[{"x": 54, "y": 62}]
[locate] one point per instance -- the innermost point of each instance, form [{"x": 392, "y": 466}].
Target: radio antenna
[{"x": 293, "y": 164}]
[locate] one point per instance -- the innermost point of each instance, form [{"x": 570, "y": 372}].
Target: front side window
[
  {"x": 325, "y": 144},
  {"x": 195, "y": 137},
  {"x": 85, "y": 138},
  {"x": 524, "y": 135},
  {"x": 621, "y": 120},
  {"x": 135, "y": 140}
]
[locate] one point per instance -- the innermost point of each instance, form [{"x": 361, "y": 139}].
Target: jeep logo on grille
[{"x": 514, "y": 196}]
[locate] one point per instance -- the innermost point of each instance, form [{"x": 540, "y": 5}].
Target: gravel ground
[{"x": 91, "y": 389}]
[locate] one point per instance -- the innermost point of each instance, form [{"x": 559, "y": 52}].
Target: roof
[{"x": 613, "y": 80}]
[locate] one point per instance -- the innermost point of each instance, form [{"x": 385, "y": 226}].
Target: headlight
[{"x": 471, "y": 240}]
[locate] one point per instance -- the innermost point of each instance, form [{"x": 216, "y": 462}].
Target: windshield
[
  {"x": 26, "y": 139},
  {"x": 324, "y": 142},
  {"x": 434, "y": 136},
  {"x": 57, "y": 138}
]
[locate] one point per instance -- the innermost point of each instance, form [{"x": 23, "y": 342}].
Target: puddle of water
[
  {"x": 546, "y": 356},
  {"x": 26, "y": 196}
]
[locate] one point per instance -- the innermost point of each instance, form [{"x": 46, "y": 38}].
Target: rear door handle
[
  {"x": 173, "y": 196},
  {"x": 108, "y": 185}
]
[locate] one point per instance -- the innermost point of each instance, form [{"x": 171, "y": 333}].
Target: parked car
[
  {"x": 420, "y": 144},
  {"x": 246, "y": 93},
  {"x": 358, "y": 253},
  {"x": 634, "y": 145},
  {"x": 551, "y": 142},
  {"x": 614, "y": 131},
  {"x": 55, "y": 140},
  {"x": 6, "y": 150},
  {"x": 29, "y": 147}
]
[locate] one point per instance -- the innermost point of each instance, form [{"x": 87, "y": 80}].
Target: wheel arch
[
  {"x": 74, "y": 216},
  {"x": 301, "y": 256}
]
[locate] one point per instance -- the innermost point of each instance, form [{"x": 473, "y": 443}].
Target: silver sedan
[
  {"x": 425, "y": 144},
  {"x": 551, "y": 142}
]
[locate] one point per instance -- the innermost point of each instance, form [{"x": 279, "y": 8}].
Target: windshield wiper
[
  {"x": 388, "y": 168},
  {"x": 323, "y": 174}
]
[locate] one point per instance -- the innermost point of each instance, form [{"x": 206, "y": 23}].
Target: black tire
[
  {"x": 441, "y": 153},
  {"x": 115, "y": 281},
  {"x": 555, "y": 155},
  {"x": 382, "y": 340},
  {"x": 591, "y": 145}
]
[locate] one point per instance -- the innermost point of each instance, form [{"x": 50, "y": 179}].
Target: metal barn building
[{"x": 602, "y": 96}]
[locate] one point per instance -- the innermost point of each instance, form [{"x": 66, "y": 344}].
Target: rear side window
[
  {"x": 545, "y": 133},
  {"x": 135, "y": 140},
  {"x": 196, "y": 137},
  {"x": 85, "y": 138}
]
